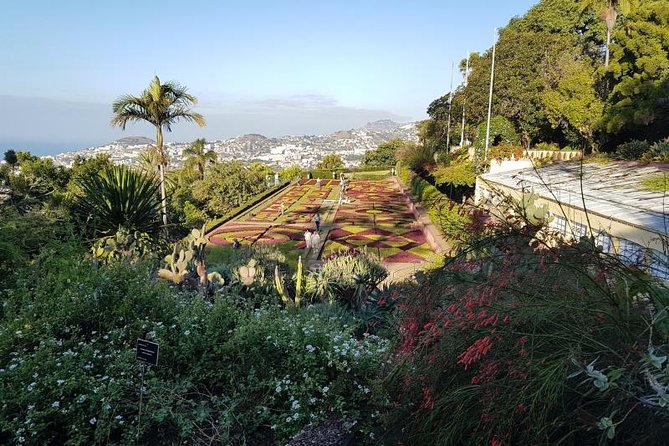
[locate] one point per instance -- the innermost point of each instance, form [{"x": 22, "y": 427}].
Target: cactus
[
  {"x": 278, "y": 284},
  {"x": 198, "y": 242},
  {"x": 247, "y": 272},
  {"x": 123, "y": 245},
  {"x": 536, "y": 215},
  {"x": 215, "y": 278},
  {"x": 177, "y": 264}
]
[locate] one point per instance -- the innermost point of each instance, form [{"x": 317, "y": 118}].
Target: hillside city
[{"x": 306, "y": 150}]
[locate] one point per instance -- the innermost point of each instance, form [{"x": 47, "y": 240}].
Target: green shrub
[
  {"x": 194, "y": 217},
  {"x": 631, "y": 150},
  {"x": 442, "y": 211},
  {"x": 657, "y": 153},
  {"x": 24, "y": 234},
  {"x": 457, "y": 174},
  {"x": 67, "y": 371},
  {"x": 226, "y": 375},
  {"x": 415, "y": 156},
  {"x": 502, "y": 131},
  {"x": 348, "y": 278}
]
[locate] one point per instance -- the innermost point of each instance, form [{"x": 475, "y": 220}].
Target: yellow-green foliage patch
[{"x": 658, "y": 183}]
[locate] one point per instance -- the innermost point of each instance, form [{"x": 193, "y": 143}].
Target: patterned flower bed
[
  {"x": 249, "y": 234},
  {"x": 300, "y": 203},
  {"x": 379, "y": 220},
  {"x": 292, "y": 236},
  {"x": 267, "y": 225}
]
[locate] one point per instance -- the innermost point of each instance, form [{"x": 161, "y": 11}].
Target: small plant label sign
[{"x": 147, "y": 351}]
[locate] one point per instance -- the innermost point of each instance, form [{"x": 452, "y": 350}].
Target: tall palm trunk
[{"x": 163, "y": 194}]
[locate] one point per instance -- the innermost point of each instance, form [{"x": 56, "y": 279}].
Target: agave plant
[{"x": 119, "y": 197}]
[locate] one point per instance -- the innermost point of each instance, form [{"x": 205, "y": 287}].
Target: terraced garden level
[{"x": 374, "y": 217}]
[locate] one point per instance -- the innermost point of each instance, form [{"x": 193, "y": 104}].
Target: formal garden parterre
[{"x": 374, "y": 217}]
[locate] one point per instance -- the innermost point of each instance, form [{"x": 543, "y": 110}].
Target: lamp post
[
  {"x": 450, "y": 104},
  {"x": 492, "y": 80},
  {"x": 462, "y": 131}
]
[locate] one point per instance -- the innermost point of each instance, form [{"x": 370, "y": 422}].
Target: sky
[{"x": 269, "y": 67}]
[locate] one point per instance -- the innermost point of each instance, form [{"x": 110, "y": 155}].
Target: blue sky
[{"x": 271, "y": 67}]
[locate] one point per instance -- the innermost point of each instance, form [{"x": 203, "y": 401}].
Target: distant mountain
[
  {"x": 382, "y": 124},
  {"x": 305, "y": 150},
  {"x": 134, "y": 141}
]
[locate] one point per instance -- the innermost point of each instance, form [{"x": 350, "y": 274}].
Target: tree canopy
[
  {"x": 228, "y": 185},
  {"x": 383, "y": 155},
  {"x": 552, "y": 82},
  {"x": 331, "y": 161}
]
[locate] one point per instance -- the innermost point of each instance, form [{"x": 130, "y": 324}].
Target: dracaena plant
[{"x": 119, "y": 197}]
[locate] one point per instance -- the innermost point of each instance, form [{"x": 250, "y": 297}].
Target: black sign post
[{"x": 146, "y": 353}]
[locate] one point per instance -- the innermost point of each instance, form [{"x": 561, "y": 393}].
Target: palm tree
[
  {"x": 198, "y": 157},
  {"x": 608, "y": 11},
  {"x": 150, "y": 160},
  {"x": 161, "y": 105}
]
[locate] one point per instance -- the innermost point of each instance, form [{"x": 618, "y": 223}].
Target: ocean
[{"x": 42, "y": 148}]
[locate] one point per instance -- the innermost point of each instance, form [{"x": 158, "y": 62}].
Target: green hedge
[
  {"x": 327, "y": 174},
  {"x": 245, "y": 207},
  {"x": 442, "y": 211}
]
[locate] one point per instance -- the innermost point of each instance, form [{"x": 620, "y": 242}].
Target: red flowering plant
[{"x": 490, "y": 344}]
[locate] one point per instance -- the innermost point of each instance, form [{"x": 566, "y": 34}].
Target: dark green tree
[
  {"x": 227, "y": 186},
  {"x": 571, "y": 102},
  {"x": 38, "y": 181},
  {"x": 638, "y": 105},
  {"x": 384, "y": 154},
  {"x": 291, "y": 172},
  {"x": 11, "y": 158},
  {"x": 87, "y": 167},
  {"x": 608, "y": 11}
]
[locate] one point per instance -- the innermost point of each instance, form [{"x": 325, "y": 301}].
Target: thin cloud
[{"x": 294, "y": 102}]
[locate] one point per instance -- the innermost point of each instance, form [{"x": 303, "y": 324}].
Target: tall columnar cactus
[
  {"x": 198, "y": 242},
  {"x": 278, "y": 283}
]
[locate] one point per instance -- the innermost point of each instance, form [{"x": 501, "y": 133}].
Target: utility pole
[
  {"x": 462, "y": 131},
  {"x": 450, "y": 104},
  {"x": 492, "y": 79}
]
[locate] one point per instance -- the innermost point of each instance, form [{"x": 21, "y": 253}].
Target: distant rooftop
[{"x": 612, "y": 190}]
